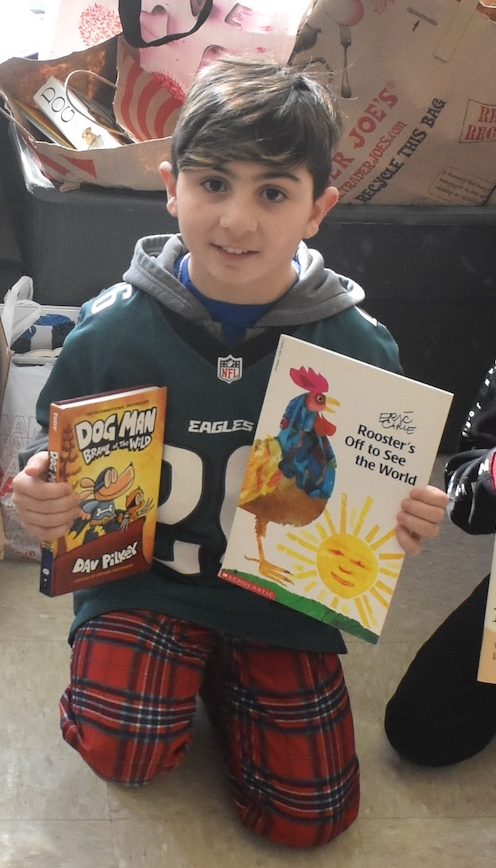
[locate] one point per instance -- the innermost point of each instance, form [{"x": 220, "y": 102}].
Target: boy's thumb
[{"x": 37, "y": 465}]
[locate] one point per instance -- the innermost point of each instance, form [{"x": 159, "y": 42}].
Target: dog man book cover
[
  {"x": 109, "y": 447},
  {"x": 338, "y": 445}
]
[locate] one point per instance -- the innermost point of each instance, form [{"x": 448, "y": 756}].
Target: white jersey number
[{"x": 187, "y": 486}]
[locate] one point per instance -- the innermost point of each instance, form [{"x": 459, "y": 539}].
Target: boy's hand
[
  {"x": 46, "y": 509},
  {"x": 420, "y": 516}
]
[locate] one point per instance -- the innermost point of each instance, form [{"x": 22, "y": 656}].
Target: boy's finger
[
  {"x": 431, "y": 496},
  {"x": 49, "y": 525},
  {"x": 434, "y": 512},
  {"x": 419, "y": 526},
  {"x": 410, "y": 543}
]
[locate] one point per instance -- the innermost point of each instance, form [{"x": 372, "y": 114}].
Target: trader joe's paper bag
[{"x": 417, "y": 88}]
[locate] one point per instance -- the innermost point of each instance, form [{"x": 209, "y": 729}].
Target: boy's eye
[
  {"x": 274, "y": 195},
  {"x": 214, "y": 185}
]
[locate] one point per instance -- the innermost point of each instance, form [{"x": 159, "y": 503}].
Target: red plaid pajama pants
[{"x": 284, "y": 715}]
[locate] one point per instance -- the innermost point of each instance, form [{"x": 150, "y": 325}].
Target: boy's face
[{"x": 242, "y": 223}]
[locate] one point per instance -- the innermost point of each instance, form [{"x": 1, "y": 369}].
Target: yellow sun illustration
[
  {"x": 346, "y": 564},
  {"x": 346, "y": 567}
]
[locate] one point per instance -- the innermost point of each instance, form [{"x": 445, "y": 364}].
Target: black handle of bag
[{"x": 130, "y": 11}]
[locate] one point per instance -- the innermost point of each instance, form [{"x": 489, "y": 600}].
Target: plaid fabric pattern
[
  {"x": 284, "y": 716},
  {"x": 288, "y": 732},
  {"x": 134, "y": 680}
]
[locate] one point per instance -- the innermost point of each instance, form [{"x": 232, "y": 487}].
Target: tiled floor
[{"x": 54, "y": 813}]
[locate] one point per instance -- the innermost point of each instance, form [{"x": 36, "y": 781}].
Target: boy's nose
[{"x": 238, "y": 216}]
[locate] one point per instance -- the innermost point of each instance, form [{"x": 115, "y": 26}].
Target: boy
[
  {"x": 249, "y": 178},
  {"x": 440, "y": 714}
]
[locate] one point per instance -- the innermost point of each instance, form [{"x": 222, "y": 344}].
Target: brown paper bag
[
  {"x": 417, "y": 89},
  {"x": 146, "y": 101},
  {"x": 142, "y": 105}
]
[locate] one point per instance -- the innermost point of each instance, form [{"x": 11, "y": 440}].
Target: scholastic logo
[{"x": 479, "y": 124}]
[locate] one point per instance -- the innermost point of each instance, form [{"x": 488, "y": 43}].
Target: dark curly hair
[{"x": 257, "y": 111}]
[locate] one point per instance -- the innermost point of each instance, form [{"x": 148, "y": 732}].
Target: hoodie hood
[{"x": 317, "y": 294}]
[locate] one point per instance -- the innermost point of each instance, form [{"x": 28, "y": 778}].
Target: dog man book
[
  {"x": 109, "y": 447},
  {"x": 338, "y": 445}
]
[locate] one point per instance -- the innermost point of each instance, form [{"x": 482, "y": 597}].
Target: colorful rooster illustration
[{"x": 290, "y": 477}]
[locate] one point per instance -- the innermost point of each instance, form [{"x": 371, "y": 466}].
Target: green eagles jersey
[{"x": 127, "y": 338}]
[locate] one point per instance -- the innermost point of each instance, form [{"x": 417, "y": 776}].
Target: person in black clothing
[{"x": 440, "y": 714}]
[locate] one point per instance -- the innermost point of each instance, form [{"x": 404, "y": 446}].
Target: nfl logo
[{"x": 229, "y": 369}]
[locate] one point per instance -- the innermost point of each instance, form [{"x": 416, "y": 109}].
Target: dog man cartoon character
[{"x": 99, "y": 514}]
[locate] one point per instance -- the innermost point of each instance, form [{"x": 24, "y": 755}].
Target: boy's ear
[
  {"x": 321, "y": 207},
  {"x": 170, "y": 182}
]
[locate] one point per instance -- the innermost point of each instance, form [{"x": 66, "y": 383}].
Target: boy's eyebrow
[
  {"x": 279, "y": 173},
  {"x": 266, "y": 175}
]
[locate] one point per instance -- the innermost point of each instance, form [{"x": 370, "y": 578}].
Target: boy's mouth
[{"x": 234, "y": 251}]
